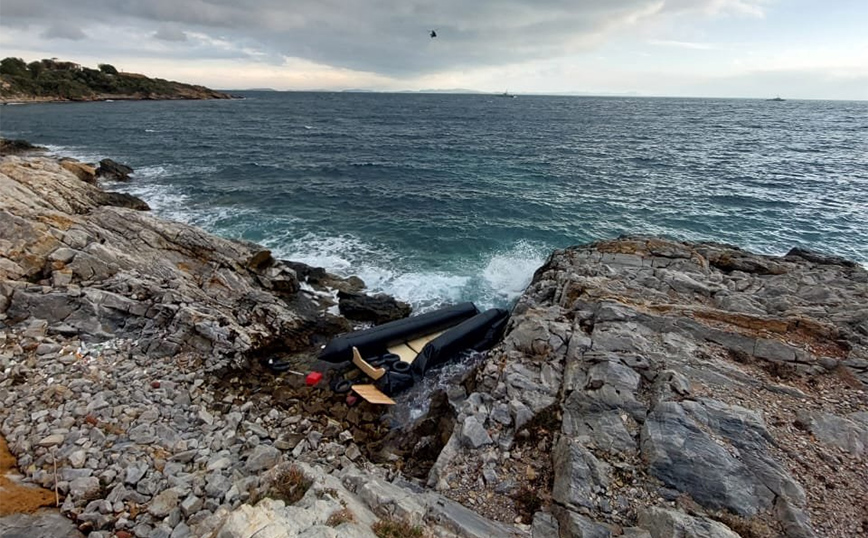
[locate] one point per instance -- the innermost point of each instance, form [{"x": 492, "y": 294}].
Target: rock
[
  {"x": 840, "y": 432},
  {"x": 15, "y": 147},
  {"x": 113, "y": 171},
  {"x": 544, "y": 526},
  {"x": 84, "y": 489},
  {"x": 686, "y": 458},
  {"x": 52, "y": 440},
  {"x": 574, "y": 525},
  {"x": 377, "y": 309},
  {"x": 262, "y": 457},
  {"x": 667, "y": 523},
  {"x": 163, "y": 504},
  {"x": 84, "y": 172},
  {"x": 473, "y": 434},
  {"x": 578, "y": 474},
  {"x": 42, "y": 524}
]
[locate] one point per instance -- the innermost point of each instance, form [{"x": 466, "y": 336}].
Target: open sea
[{"x": 442, "y": 198}]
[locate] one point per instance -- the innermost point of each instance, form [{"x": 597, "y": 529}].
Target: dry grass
[
  {"x": 395, "y": 528},
  {"x": 341, "y": 516},
  {"x": 289, "y": 485}
]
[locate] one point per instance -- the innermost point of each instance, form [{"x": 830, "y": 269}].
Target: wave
[
  {"x": 82, "y": 154},
  {"x": 495, "y": 279}
]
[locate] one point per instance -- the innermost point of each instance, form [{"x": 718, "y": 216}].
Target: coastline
[
  {"x": 27, "y": 100},
  {"x": 131, "y": 349}
]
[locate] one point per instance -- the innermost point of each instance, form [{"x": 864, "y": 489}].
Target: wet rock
[
  {"x": 113, "y": 171},
  {"x": 377, "y": 309}
]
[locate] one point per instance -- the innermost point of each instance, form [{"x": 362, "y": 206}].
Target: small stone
[
  {"x": 205, "y": 416},
  {"x": 163, "y": 504},
  {"x": 191, "y": 505},
  {"x": 473, "y": 434},
  {"x": 262, "y": 457},
  {"x": 78, "y": 458},
  {"x": 52, "y": 440}
]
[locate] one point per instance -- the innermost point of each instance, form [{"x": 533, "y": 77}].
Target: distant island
[{"x": 54, "y": 80}]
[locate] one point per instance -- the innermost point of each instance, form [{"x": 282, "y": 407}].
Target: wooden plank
[
  {"x": 417, "y": 344},
  {"x": 372, "y": 394},
  {"x": 405, "y": 352},
  {"x": 373, "y": 373}
]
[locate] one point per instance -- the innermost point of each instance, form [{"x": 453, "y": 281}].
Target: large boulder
[
  {"x": 377, "y": 309},
  {"x": 113, "y": 171}
]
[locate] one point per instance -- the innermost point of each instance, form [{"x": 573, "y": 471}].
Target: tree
[
  {"x": 108, "y": 69},
  {"x": 35, "y": 68},
  {"x": 15, "y": 67}
]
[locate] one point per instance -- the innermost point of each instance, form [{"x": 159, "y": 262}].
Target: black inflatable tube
[
  {"x": 374, "y": 341},
  {"x": 473, "y": 333}
]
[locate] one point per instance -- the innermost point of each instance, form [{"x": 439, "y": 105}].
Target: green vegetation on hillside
[{"x": 53, "y": 79}]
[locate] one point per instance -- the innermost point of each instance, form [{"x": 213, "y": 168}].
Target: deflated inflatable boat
[{"x": 396, "y": 354}]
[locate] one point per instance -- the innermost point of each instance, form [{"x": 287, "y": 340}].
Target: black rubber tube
[
  {"x": 343, "y": 386},
  {"x": 401, "y": 367},
  {"x": 376, "y": 340}
]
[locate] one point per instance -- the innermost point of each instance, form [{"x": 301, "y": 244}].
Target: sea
[{"x": 440, "y": 198}]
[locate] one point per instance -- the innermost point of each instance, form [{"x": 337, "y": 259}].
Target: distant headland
[{"x": 54, "y": 80}]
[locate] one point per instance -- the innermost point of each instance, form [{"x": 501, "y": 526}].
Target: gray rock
[
  {"x": 544, "y": 526},
  {"x": 43, "y": 524},
  {"x": 262, "y": 457},
  {"x": 573, "y": 525},
  {"x": 84, "y": 489},
  {"x": 668, "y": 523},
  {"x": 578, "y": 474},
  {"x": 840, "y": 432},
  {"x": 684, "y": 457},
  {"x": 191, "y": 505},
  {"x": 52, "y": 440},
  {"x": 473, "y": 434},
  {"x": 163, "y": 504}
]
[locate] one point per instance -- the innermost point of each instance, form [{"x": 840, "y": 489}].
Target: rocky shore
[{"x": 644, "y": 388}]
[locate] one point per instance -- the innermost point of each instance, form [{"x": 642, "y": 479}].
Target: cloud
[
  {"x": 383, "y": 36},
  {"x": 170, "y": 33},
  {"x": 683, "y": 44},
  {"x": 64, "y": 31}
]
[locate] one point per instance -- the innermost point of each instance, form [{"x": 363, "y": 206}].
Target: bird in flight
[{"x": 433, "y": 34}]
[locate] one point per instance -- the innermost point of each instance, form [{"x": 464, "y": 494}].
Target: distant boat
[
  {"x": 778, "y": 98},
  {"x": 507, "y": 94}
]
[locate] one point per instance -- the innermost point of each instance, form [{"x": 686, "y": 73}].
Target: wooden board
[
  {"x": 372, "y": 394},
  {"x": 373, "y": 373},
  {"x": 417, "y": 344},
  {"x": 404, "y": 351}
]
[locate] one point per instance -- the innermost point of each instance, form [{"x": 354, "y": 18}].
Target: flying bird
[{"x": 433, "y": 34}]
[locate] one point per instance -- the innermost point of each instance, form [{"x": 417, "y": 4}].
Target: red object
[
  {"x": 155, "y": 384},
  {"x": 313, "y": 378},
  {"x": 352, "y": 400}
]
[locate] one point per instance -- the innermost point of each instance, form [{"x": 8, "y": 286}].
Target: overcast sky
[{"x": 727, "y": 48}]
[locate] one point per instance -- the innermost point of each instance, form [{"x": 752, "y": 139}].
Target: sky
[{"x": 703, "y": 48}]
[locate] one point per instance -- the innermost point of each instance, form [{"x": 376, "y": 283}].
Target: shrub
[
  {"x": 396, "y": 528},
  {"x": 289, "y": 485}
]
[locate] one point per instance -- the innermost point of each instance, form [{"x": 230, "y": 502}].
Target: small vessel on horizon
[
  {"x": 778, "y": 98},
  {"x": 507, "y": 94}
]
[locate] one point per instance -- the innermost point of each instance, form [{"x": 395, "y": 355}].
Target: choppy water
[{"x": 440, "y": 198}]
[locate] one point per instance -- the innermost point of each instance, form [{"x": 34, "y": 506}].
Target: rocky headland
[
  {"x": 644, "y": 388},
  {"x": 51, "y": 80}
]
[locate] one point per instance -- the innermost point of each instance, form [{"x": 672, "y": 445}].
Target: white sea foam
[
  {"x": 509, "y": 273},
  {"x": 82, "y": 154},
  {"x": 494, "y": 281}
]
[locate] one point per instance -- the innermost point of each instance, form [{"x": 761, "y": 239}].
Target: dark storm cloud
[{"x": 384, "y": 36}]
